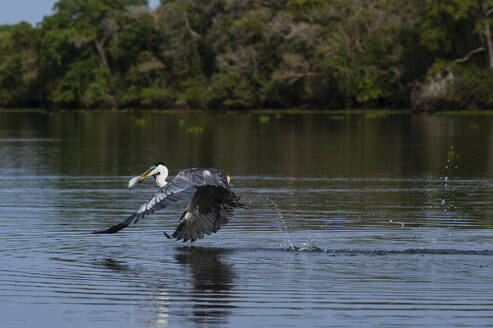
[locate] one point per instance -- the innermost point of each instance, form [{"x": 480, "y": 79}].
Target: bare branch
[
  {"x": 466, "y": 58},
  {"x": 187, "y": 25}
]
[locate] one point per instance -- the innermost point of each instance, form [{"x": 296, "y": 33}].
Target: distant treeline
[{"x": 235, "y": 54}]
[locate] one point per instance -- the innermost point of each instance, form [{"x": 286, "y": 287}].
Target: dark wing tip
[
  {"x": 186, "y": 232},
  {"x": 210, "y": 209},
  {"x": 112, "y": 229},
  {"x": 181, "y": 231},
  {"x": 117, "y": 227}
]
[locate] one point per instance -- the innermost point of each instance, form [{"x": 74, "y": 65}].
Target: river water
[{"x": 353, "y": 220}]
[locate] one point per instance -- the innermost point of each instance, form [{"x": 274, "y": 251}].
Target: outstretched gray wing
[{"x": 183, "y": 185}]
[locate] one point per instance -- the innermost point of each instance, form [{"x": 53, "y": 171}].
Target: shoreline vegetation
[
  {"x": 319, "y": 56},
  {"x": 336, "y": 113}
]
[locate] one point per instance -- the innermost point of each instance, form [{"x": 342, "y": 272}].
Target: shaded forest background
[{"x": 235, "y": 54}]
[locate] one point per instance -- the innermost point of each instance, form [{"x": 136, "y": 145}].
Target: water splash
[
  {"x": 447, "y": 199},
  {"x": 307, "y": 245},
  {"x": 282, "y": 225},
  {"x": 386, "y": 252}
]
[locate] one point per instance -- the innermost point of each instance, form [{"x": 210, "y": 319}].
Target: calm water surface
[{"x": 361, "y": 221}]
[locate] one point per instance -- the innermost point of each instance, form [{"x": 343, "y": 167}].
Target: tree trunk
[
  {"x": 487, "y": 34},
  {"x": 104, "y": 60},
  {"x": 102, "y": 54}
]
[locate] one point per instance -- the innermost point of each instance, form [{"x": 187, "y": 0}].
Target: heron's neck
[
  {"x": 161, "y": 180},
  {"x": 161, "y": 177}
]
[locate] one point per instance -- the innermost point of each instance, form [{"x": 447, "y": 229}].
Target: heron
[{"x": 210, "y": 208}]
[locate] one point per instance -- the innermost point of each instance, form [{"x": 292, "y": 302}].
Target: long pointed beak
[
  {"x": 144, "y": 175},
  {"x": 138, "y": 179}
]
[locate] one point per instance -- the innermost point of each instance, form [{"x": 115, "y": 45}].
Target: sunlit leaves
[
  {"x": 18, "y": 64},
  {"x": 239, "y": 53},
  {"x": 448, "y": 26}
]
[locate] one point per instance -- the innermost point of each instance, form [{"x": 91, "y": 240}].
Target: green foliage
[
  {"x": 448, "y": 25},
  {"x": 472, "y": 88},
  {"x": 304, "y": 6},
  {"x": 18, "y": 65},
  {"x": 194, "y": 94},
  {"x": 195, "y": 130},
  {"x": 231, "y": 91},
  {"x": 239, "y": 54}
]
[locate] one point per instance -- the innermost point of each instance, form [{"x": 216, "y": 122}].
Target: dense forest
[{"x": 240, "y": 54}]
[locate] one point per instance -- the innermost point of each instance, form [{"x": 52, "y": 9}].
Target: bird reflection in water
[
  {"x": 212, "y": 279},
  {"x": 160, "y": 297}
]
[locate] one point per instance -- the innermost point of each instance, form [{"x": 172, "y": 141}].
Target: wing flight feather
[
  {"x": 211, "y": 208},
  {"x": 183, "y": 185}
]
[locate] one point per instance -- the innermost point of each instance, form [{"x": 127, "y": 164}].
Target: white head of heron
[{"x": 159, "y": 171}]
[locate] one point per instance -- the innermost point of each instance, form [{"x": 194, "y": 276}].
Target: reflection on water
[
  {"x": 114, "y": 264},
  {"x": 290, "y": 145},
  {"x": 355, "y": 222},
  {"x": 212, "y": 279},
  {"x": 204, "y": 264}
]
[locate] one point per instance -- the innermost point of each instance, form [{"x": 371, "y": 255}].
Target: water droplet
[{"x": 282, "y": 224}]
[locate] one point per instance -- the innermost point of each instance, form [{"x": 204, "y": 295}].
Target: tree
[
  {"x": 456, "y": 32},
  {"x": 185, "y": 50},
  {"x": 19, "y": 74},
  {"x": 75, "y": 26},
  {"x": 456, "y": 29},
  {"x": 357, "y": 57}
]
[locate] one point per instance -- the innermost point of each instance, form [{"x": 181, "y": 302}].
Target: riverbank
[{"x": 270, "y": 112}]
